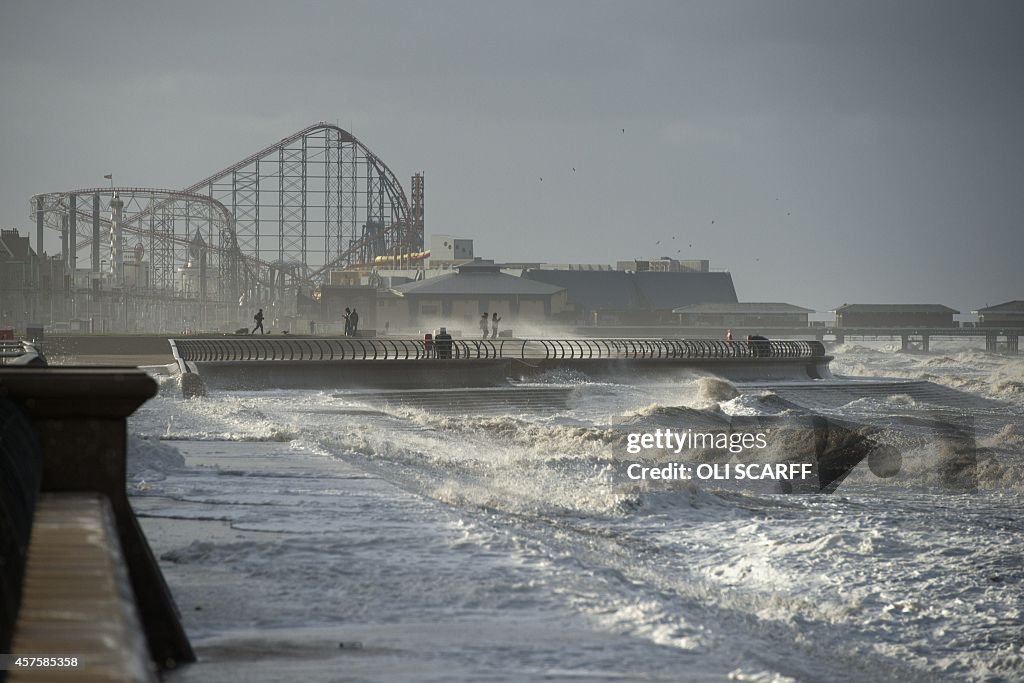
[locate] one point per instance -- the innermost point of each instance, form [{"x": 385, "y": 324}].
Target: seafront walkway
[
  {"x": 311, "y": 363},
  {"x": 81, "y": 595},
  {"x": 227, "y": 349}
]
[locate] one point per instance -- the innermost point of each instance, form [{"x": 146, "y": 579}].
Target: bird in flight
[{"x": 542, "y": 180}]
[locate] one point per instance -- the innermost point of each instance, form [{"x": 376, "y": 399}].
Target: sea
[{"x": 493, "y": 534}]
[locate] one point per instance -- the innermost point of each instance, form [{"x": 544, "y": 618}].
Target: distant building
[
  {"x": 346, "y": 278},
  {"x": 664, "y": 265},
  {"x": 447, "y": 251},
  {"x": 18, "y": 279},
  {"x": 743, "y": 315},
  {"x": 895, "y": 315},
  {"x": 635, "y": 298},
  {"x": 458, "y": 299},
  {"x": 31, "y": 288},
  {"x": 558, "y": 266},
  {"x": 1009, "y": 314}
]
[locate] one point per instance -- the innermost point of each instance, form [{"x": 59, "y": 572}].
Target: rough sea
[{"x": 492, "y": 535}]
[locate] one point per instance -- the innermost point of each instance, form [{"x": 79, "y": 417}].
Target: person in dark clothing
[
  {"x": 483, "y": 324},
  {"x": 348, "y": 322},
  {"x": 443, "y": 344},
  {"x": 760, "y": 347},
  {"x": 354, "y": 322},
  {"x": 259, "y": 322}
]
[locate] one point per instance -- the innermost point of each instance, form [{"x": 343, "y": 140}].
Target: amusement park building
[
  {"x": 1009, "y": 314},
  {"x": 754, "y": 315},
  {"x": 632, "y": 298},
  {"x": 895, "y": 315},
  {"x": 458, "y": 299}
]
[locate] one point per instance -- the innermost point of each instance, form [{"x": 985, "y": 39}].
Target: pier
[{"x": 997, "y": 340}]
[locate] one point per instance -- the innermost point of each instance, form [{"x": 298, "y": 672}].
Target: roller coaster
[{"x": 259, "y": 231}]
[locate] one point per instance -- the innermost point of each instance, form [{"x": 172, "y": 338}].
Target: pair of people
[
  {"x": 351, "y": 322},
  {"x": 758, "y": 345},
  {"x": 494, "y": 325}
]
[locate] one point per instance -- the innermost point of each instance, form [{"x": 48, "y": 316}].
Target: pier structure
[
  {"x": 996, "y": 340},
  {"x": 293, "y": 362},
  {"x": 1001, "y": 340}
]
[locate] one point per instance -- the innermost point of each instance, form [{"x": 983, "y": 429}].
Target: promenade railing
[
  {"x": 349, "y": 349},
  {"x": 19, "y": 353}
]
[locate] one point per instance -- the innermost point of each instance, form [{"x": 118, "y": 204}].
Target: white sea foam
[
  {"x": 908, "y": 578},
  {"x": 150, "y": 458}
]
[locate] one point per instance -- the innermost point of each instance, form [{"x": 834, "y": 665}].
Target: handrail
[{"x": 318, "y": 349}]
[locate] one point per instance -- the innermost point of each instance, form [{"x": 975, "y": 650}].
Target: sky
[{"x": 823, "y": 152}]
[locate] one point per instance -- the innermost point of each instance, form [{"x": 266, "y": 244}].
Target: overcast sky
[{"x": 846, "y": 151}]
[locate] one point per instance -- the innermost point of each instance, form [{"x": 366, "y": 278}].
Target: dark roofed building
[
  {"x": 754, "y": 315},
  {"x": 666, "y": 291},
  {"x": 895, "y": 315},
  {"x": 636, "y": 298},
  {"x": 600, "y": 290},
  {"x": 1009, "y": 314}
]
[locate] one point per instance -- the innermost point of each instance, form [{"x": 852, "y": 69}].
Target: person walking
[
  {"x": 495, "y": 319},
  {"x": 259, "y": 323},
  {"x": 354, "y": 322},
  {"x": 483, "y": 324},
  {"x": 348, "y": 322}
]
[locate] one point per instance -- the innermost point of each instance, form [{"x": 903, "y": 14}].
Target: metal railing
[
  {"x": 316, "y": 349},
  {"x": 19, "y": 353}
]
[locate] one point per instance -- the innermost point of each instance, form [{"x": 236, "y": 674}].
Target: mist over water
[{"x": 519, "y": 514}]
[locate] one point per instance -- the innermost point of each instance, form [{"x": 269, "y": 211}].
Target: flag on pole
[{"x": 109, "y": 176}]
